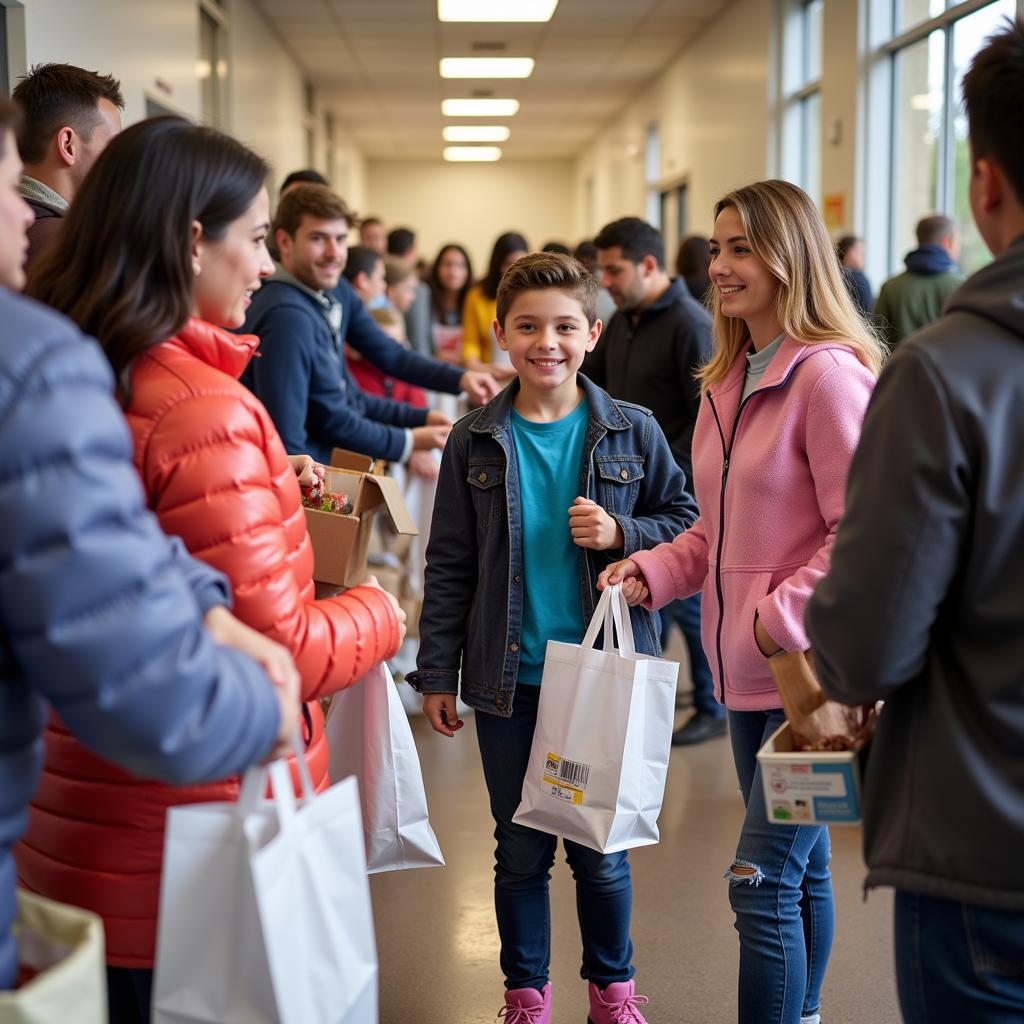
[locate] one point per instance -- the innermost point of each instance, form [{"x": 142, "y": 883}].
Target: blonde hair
[
  {"x": 396, "y": 270},
  {"x": 387, "y": 317},
  {"x": 786, "y": 233}
]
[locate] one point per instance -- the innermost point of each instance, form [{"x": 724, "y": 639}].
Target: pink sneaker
[
  {"x": 617, "y": 1004},
  {"x": 528, "y": 1006}
]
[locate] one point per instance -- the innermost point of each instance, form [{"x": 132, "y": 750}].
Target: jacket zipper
[{"x": 726, "y": 457}]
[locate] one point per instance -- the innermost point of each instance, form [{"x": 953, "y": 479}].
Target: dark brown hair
[
  {"x": 54, "y": 95},
  {"x": 694, "y": 257},
  {"x": 506, "y": 244},
  {"x": 548, "y": 270},
  {"x": 10, "y": 121},
  {"x": 121, "y": 266},
  {"x": 434, "y": 280},
  {"x": 314, "y": 200},
  {"x": 993, "y": 91}
]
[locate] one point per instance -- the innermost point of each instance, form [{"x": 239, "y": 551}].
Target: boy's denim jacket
[{"x": 473, "y": 593}]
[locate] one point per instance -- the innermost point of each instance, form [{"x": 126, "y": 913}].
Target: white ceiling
[{"x": 375, "y": 62}]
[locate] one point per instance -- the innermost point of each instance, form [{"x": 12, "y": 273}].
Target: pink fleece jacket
[{"x": 770, "y": 485}]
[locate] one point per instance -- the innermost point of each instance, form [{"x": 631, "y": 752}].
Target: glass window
[
  {"x": 652, "y": 172},
  {"x": 800, "y": 77},
  {"x": 912, "y": 12},
  {"x": 930, "y": 47},
  {"x": 920, "y": 109},
  {"x": 969, "y": 35}
]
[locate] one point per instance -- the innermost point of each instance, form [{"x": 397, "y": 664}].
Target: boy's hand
[
  {"x": 592, "y": 527},
  {"x": 619, "y": 572},
  {"x": 440, "y": 711}
]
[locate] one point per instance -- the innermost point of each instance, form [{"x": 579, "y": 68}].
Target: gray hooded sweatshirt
[{"x": 924, "y": 603}]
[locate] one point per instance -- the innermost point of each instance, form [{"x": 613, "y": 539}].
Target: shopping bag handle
[
  {"x": 254, "y": 783},
  {"x": 612, "y": 612}
]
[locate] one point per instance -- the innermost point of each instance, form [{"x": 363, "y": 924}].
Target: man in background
[
  {"x": 69, "y": 116},
  {"x": 915, "y": 298}
]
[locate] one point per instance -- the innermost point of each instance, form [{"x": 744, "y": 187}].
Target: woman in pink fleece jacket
[{"x": 783, "y": 399}]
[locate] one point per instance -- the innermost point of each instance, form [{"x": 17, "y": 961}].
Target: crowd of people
[{"x": 824, "y": 497}]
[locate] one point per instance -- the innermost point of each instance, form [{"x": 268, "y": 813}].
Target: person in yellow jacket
[{"x": 479, "y": 348}]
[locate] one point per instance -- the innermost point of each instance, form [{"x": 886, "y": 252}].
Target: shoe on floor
[
  {"x": 617, "y": 1004},
  {"x": 527, "y": 1006},
  {"x": 699, "y": 728}
]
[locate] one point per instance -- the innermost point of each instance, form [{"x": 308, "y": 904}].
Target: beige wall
[
  {"x": 141, "y": 42},
  {"x": 473, "y": 203},
  {"x": 152, "y": 46},
  {"x": 712, "y": 109}
]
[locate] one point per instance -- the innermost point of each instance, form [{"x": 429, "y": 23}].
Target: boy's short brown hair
[
  {"x": 315, "y": 201},
  {"x": 548, "y": 270}
]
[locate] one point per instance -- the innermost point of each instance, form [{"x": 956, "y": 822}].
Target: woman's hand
[
  {"x": 372, "y": 581},
  {"x": 441, "y": 713},
  {"x": 619, "y": 572},
  {"x": 307, "y": 469},
  {"x": 635, "y": 591}
]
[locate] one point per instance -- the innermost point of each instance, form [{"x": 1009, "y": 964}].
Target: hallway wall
[
  {"x": 473, "y": 203},
  {"x": 152, "y": 46}
]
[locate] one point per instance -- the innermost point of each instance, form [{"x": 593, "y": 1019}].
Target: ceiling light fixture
[
  {"x": 479, "y": 108},
  {"x": 475, "y": 133},
  {"x": 486, "y": 67},
  {"x": 495, "y": 10},
  {"x": 471, "y": 154}
]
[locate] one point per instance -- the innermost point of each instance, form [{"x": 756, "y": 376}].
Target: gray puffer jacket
[
  {"x": 100, "y": 614},
  {"x": 924, "y": 604}
]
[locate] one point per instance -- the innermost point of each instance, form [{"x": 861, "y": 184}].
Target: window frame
[
  {"x": 883, "y": 46},
  {"x": 798, "y": 87}
]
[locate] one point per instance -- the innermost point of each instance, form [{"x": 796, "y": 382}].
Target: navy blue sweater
[{"x": 300, "y": 375}]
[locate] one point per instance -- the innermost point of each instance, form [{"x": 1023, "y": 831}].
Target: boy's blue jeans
[
  {"x": 956, "y": 962},
  {"x": 524, "y": 857},
  {"x": 784, "y": 909}
]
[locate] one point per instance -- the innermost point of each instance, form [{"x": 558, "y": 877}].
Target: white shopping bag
[
  {"x": 369, "y": 736},
  {"x": 600, "y": 750},
  {"x": 265, "y": 909}
]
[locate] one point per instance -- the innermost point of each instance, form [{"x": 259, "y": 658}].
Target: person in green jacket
[{"x": 915, "y": 298}]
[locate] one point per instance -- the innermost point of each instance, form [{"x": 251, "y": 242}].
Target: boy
[{"x": 540, "y": 490}]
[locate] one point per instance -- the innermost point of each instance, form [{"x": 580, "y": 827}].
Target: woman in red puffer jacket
[{"x": 156, "y": 276}]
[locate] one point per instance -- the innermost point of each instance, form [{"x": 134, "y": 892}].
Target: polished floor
[{"x": 438, "y": 944}]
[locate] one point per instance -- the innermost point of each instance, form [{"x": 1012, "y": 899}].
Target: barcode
[{"x": 574, "y": 773}]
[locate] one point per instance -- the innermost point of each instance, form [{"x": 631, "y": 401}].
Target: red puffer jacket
[{"x": 217, "y": 476}]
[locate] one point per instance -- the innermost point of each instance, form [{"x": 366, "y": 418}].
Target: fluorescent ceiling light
[
  {"x": 467, "y": 154},
  {"x": 475, "y": 133},
  {"x": 479, "y": 108},
  {"x": 486, "y": 67},
  {"x": 495, "y": 10}
]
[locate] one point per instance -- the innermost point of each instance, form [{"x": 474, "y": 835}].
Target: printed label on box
[
  {"x": 803, "y": 794},
  {"x": 567, "y": 779}
]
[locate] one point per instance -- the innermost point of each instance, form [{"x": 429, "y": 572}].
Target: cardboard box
[
  {"x": 806, "y": 787},
  {"x": 341, "y": 543}
]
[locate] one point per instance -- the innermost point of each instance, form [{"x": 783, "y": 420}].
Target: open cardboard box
[
  {"x": 341, "y": 543},
  {"x": 809, "y": 787}
]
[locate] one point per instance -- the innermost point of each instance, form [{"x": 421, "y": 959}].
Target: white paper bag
[
  {"x": 265, "y": 909},
  {"x": 369, "y": 736},
  {"x": 600, "y": 750}
]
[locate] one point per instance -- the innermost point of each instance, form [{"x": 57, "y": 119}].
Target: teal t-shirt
[{"x": 549, "y": 456}]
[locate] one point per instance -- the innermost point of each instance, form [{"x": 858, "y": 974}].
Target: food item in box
[{"x": 319, "y": 498}]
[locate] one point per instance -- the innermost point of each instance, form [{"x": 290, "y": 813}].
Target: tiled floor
[{"x": 438, "y": 944}]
